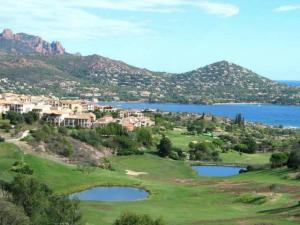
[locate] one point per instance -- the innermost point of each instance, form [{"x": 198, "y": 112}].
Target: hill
[{"x": 28, "y": 64}]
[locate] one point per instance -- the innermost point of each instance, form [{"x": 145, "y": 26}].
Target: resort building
[{"x": 79, "y": 120}]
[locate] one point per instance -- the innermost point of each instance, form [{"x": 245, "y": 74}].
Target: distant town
[{"x": 73, "y": 112}]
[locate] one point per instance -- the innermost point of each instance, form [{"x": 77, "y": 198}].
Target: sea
[{"x": 275, "y": 115}]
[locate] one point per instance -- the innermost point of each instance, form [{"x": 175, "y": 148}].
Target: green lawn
[
  {"x": 247, "y": 159},
  {"x": 182, "y": 141},
  {"x": 177, "y": 194}
]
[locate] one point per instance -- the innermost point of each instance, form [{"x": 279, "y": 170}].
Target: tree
[
  {"x": 14, "y": 117},
  {"x": 251, "y": 144},
  {"x": 144, "y": 136},
  {"x": 112, "y": 129},
  {"x": 239, "y": 120},
  {"x": 125, "y": 146},
  {"x": 134, "y": 219},
  {"x": 164, "y": 147},
  {"x": 63, "y": 211},
  {"x": 39, "y": 203},
  {"x": 11, "y": 214},
  {"x": 30, "y": 117},
  {"x": 203, "y": 151},
  {"x": 32, "y": 196},
  {"x": 294, "y": 159},
  {"x": 279, "y": 159}
]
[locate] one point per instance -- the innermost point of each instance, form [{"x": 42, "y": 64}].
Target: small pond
[
  {"x": 217, "y": 171},
  {"x": 111, "y": 194}
]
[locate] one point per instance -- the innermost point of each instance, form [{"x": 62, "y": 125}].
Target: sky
[{"x": 169, "y": 35}]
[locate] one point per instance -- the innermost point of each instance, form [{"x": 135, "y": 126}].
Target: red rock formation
[{"x": 36, "y": 43}]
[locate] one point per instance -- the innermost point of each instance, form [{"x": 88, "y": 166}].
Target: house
[
  {"x": 131, "y": 122},
  {"x": 106, "y": 108},
  {"x": 74, "y": 105},
  {"x": 79, "y": 120},
  {"x": 104, "y": 121},
  {"x": 131, "y": 112},
  {"x": 4, "y": 107},
  {"x": 40, "y": 109},
  {"x": 20, "y": 107},
  {"x": 55, "y": 116},
  {"x": 88, "y": 106}
]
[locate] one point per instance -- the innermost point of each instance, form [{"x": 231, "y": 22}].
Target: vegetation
[
  {"x": 53, "y": 139},
  {"x": 204, "y": 152},
  {"x": 38, "y": 203},
  {"x": 73, "y": 75},
  {"x": 179, "y": 137},
  {"x": 133, "y": 219},
  {"x": 17, "y": 118},
  {"x": 177, "y": 179},
  {"x": 279, "y": 159}
]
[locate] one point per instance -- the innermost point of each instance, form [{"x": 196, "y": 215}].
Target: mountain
[
  {"x": 28, "y": 64},
  {"x": 28, "y": 44}
]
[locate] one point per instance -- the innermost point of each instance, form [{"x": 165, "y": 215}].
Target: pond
[
  {"x": 111, "y": 194},
  {"x": 217, "y": 171}
]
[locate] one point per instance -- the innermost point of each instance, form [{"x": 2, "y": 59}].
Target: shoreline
[{"x": 202, "y": 104}]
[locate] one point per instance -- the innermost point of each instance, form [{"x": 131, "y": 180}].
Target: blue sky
[{"x": 169, "y": 35}]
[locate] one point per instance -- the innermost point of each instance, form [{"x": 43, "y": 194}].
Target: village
[{"x": 72, "y": 112}]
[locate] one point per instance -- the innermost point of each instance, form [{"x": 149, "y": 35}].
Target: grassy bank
[{"x": 177, "y": 194}]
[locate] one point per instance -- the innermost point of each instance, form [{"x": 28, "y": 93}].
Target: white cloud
[
  {"x": 287, "y": 8},
  {"x": 221, "y": 9},
  {"x": 66, "y": 19},
  {"x": 165, "y": 6}
]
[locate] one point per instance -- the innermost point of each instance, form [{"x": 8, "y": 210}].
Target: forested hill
[{"x": 29, "y": 64}]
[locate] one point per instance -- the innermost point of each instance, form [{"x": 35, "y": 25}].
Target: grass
[
  {"x": 182, "y": 141},
  {"x": 233, "y": 157},
  {"x": 177, "y": 194}
]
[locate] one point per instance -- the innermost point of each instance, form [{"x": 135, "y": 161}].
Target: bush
[
  {"x": 204, "y": 152},
  {"x": 251, "y": 198},
  {"x": 143, "y": 136},
  {"x": 2, "y": 139},
  {"x": 178, "y": 154},
  {"x": 40, "y": 204},
  {"x": 279, "y": 159},
  {"x": 125, "y": 146},
  {"x": 21, "y": 167},
  {"x": 294, "y": 160},
  {"x": 11, "y": 214},
  {"x": 134, "y": 219},
  {"x": 164, "y": 147}
]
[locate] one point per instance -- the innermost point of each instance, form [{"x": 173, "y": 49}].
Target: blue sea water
[
  {"x": 288, "y": 116},
  {"x": 111, "y": 194},
  {"x": 293, "y": 83},
  {"x": 217, "y": 171}
]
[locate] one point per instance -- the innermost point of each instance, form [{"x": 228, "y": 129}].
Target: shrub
[
  {"x": 134, "y": 219},
  {"x": 11, "y": 214},
  {"x": 125, "y": 146},
  {"x": 40, "y": 204},
  {"x": 279, "y": 159},
  {"x": 204, "y": 152},
  {"x": 164, "y": 147},
  {"x": 251, "y": 198},
  {"x": 294, "y": 160},
  {"x": 21, "y": 167},
  {"x": 144, "y": 137}
]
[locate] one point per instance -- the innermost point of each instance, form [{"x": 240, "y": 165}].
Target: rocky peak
[
  {"x": 20, "y": 41},
  {"x": 7, "y": 34},
  {"x": 57, "y": 48}
]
